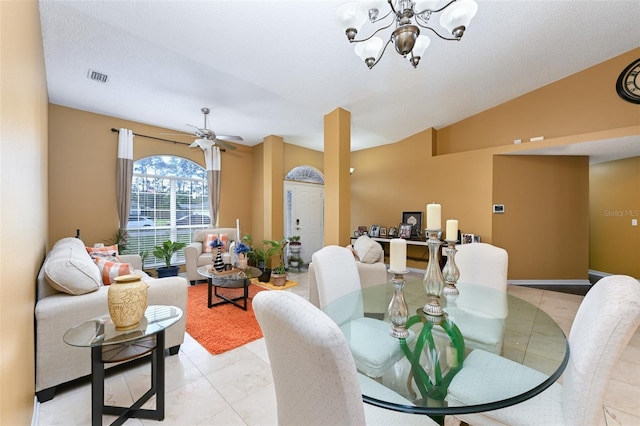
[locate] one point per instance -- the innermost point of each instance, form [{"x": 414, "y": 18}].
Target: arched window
[
  {"x": 305, "y": 174},
  {"x": 168, "y": 202}
]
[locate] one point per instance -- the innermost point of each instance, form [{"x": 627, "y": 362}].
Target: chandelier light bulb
[
  {"x": 352, "y": 17},
  {"x": 456, "y": 18},
  {"x": 369, "y": 50}
]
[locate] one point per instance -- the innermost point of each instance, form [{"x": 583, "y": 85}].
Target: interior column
[{"x": 337, "y": 184}]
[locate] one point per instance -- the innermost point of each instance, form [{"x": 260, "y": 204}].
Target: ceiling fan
[{"x": 208, "y": 138}]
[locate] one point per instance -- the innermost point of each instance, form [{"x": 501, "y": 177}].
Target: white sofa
[
  {"x": 195, "y": 254},
  {"x": 70, "y": 291}
]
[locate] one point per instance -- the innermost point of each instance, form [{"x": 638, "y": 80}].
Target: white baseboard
[
  {"x": 35, "y": 419},
  {"x": 549, "y": 282}
]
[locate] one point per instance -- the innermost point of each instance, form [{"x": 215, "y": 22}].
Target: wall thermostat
[{"x": 498, "y": 208}]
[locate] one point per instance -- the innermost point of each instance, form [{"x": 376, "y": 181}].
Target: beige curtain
[
  {"x": 124, "y": 174},
  {"x": 212, "y": 163}
]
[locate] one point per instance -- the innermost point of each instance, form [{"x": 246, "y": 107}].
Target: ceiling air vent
[{"x": 97, "y": 76}]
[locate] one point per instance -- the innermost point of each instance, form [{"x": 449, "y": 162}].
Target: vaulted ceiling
[{"x": 277, "y": 67}]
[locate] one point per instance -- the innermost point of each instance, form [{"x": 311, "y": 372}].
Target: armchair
[{"x": 196, "y": 253}]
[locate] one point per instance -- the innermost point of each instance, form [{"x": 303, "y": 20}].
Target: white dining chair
[
  {"x": 606, "y": 319},
  {"x": 314, "y": 374},
  {"x": 373, "y": 348},
  {"x": 479, "y": 314}
]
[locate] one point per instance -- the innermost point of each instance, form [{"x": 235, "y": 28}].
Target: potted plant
[
  {"x": 294, "y": 261},
  {"x": 279, "y": 273},
  {"x": 264, "y": 255},
  {"x": 166, "y": 252}
]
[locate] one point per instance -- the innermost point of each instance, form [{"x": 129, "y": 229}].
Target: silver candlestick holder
[
  {"x": 398, "y": 310},
  {"x": 450, "y": 272},
  {"x": 433, "y": 280}
]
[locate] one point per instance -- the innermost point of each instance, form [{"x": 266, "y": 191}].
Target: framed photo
[
  {"x": 415, "y": 220},
  {"x": 393, "y": 232},
  {"x": 383, "y": 232},
  {"x": 362, "y": 230},
  {"x": 466, "y": 239},
  {"x": 356, "y": 233},
  {"x": 405, "y": 230},
  {"x": 374, "y": 230}
]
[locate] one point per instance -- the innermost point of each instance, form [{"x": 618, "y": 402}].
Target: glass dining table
[{"x": 421, "y": 375}]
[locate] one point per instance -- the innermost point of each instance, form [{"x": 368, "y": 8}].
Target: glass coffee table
[
  {"x": 111, "y": 345},
  {"x": 234, "y": 278}
]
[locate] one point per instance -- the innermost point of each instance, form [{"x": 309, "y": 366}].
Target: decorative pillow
[
  {"x": 109, "y": 269},
  {"x": 367, "y": 250},
  {"x": 71, "y": 271},
  {"x": 209, "y": 239},
  {"x": 110, "y": 252}
]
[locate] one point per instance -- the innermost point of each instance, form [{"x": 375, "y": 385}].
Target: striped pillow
[
  {"x": 110, "y": 269},
  {"x": 105, "y": 251}
]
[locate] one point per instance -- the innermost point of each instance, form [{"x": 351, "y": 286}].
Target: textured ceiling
[{"x": 278, "y": 67}]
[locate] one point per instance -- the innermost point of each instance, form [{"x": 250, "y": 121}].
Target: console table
[{"x": 386, "y": 241}]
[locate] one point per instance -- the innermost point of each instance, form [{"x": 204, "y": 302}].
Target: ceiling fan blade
[
  {"x": 229, "y": 138},
  {"x": 224, "y": 145}
]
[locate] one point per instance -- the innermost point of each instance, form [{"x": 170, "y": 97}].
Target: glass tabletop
[
  {"x": 421, "y": 367},
  {"x": 230, "y": 275},
  {"x": 102, "y": 332}
]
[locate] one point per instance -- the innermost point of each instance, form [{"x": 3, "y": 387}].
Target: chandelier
[{"x": 408, "y": 16}]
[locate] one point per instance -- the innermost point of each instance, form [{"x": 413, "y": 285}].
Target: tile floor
[{"x": 236, "y": 387}]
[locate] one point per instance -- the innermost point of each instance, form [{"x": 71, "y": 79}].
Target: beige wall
[
  {"x": 23, "y": 197},
  {"x": 585, "y": 102},
  {"x": 544, "y": 227},
  {"x": 405, "y": 176},
  {"x": 82, "y": 168},
  {"x": 614, "y": 189}
]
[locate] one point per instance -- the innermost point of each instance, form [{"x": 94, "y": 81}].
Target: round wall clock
[{"x": 628, "y": 84}]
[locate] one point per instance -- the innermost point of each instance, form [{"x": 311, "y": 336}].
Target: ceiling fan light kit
[
  {"x": 406, "y": 17},
  {"x": 208, "y": 138}
]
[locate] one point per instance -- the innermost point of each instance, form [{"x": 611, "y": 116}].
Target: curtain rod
[
  {"x": 159, "y": 139},
  {"x": 151, "y": 137}
]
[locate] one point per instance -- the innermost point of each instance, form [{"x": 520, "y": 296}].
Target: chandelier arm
[
  {"x": 381, "y": 53},
  {"x": 438, "y": 34},
  {"x": 436, "y": 11},
  {"x": 376, "y": 32},
  {"x": 382, "y": 18},
  {"x": 393, "y": 8}
]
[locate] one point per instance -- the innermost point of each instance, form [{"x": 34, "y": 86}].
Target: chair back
[
  {"x": 336, "y": 276},
  {"x": 313, "y": 370},
  {"x": 485, "y": 265},
  {"x": 606, "y": 319}
]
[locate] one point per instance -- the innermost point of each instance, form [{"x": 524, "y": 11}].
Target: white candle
[
  {"x": 434, "y": 220},
  {"x": 452, "y": 230},
  {"x": 238, "y": 236},
  {"x": 398, "y": 255}
]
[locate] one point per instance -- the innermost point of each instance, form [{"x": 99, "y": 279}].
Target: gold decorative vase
[{"x": 127, "y": 301}]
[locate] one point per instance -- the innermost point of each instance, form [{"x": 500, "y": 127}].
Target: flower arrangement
[
  {"x": 242, "y": 248},
  {"x": 216, "y": 243}
]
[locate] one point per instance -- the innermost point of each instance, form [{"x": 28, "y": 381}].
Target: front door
[{"x": 304, "y": 215}]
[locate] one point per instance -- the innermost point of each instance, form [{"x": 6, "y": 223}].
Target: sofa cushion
[
  {"x": 367, "y": 250},
  {"x": 70, "y": 269},
  {"x": 110, "y": 252},
  {"x": 211, "y": 237},
  {"x": 110, "y": 269}
]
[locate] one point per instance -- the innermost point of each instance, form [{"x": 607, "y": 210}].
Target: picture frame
[
  {"x": 383, "y": 232},
  {"x": 374, "y": 231},
  {"x": 356, "y": 234},
  {"x": 362, "y": 230},
  {"x": 415, "y": 220},
  {"x": 393, "y": 232},
  {"x": 404, "y": 230},
  {"x": 466, "y": 238}
]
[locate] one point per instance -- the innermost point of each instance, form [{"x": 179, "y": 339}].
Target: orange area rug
[{"x": 223, "y": 327}]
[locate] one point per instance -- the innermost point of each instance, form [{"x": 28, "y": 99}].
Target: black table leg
[{"x": 97, "y": 386}]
